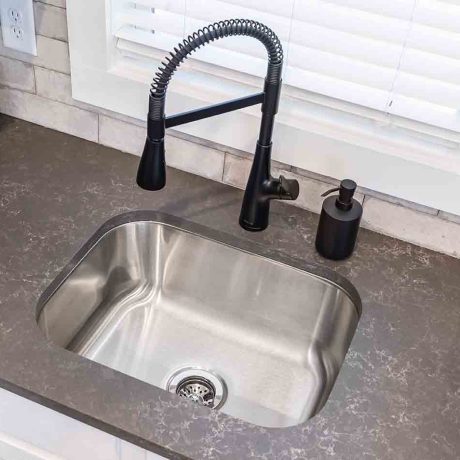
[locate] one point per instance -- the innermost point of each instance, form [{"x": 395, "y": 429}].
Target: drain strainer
[{"x": 198, "y": 385}]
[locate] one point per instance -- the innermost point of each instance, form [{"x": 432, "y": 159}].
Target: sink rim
[{"x": 237, "y": 243}]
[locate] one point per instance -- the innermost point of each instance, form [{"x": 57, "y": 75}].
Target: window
[
  {"x": 400, "y": 57},
  {"x": 372, "y": 88}
]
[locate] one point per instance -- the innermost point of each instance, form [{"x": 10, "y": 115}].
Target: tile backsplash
[{"x": 38, "y": 89}]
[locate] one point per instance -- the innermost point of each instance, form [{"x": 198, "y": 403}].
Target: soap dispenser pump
[{"x": 339, "y": 222}]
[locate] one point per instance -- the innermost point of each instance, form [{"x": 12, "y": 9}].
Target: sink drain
[
  {"x": 198, "y": 390},
  {"x": 198, "y": 385}
]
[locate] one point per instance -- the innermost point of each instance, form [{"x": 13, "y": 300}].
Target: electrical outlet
[
  {"x": 15, "y": 16},
  {"x": 18, "y": 25}
]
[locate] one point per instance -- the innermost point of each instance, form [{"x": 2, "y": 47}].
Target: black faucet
[{"x": 261, "y": 187}]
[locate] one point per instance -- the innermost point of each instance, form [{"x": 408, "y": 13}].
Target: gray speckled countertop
[{"x": 396, "y": 397}]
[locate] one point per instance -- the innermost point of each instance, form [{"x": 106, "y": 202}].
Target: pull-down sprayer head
[{"x": 151, "y": 174}]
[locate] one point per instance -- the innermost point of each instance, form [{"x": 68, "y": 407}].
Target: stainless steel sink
[{"x": 218, "y": 320}]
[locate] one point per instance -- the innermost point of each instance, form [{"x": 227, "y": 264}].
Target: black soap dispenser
[{"x": 339, "y": 222}]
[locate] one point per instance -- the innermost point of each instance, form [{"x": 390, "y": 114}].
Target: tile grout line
[
  {"x": 223, "y": 169},
  {"x": 98, "y": 128},
  {"x": 35, "y": 79}
]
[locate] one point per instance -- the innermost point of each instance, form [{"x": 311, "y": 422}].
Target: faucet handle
[{"x": 288, "y": 188}]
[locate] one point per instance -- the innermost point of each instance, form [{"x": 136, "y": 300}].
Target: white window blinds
[{"x": 401, "y": 57}]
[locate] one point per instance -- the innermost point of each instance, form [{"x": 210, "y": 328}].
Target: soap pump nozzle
[{"x": 346, "y": 191}]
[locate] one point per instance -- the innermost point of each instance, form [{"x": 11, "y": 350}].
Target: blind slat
[
  {"x": 401, "y": 9},
  {"x": 319, "y": 83},
  {"x": 158, "y": 40},
  {"x": 432, "y": 66},
  {"x": 425, "y": 112},
  {"x": 163, "y": 21},
  {"x": 436, "y": 14},
  {"x": 340, "y": 67},
  {"x": 173, "y": 6},
  {"x": 345, "y": 44},
  {"x": 435, "y": 41},
  {"x": 433, "y": 91},
  {"x": 208, "y": 11},
  {"x": 281, "y": 8},
  {"x": 391, "y": 30}
]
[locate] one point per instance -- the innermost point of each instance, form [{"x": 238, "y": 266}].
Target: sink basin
[{"x": 157, "y": 297}]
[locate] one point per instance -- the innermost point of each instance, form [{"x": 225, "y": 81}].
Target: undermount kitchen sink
[{"x": 221, "y": 321}]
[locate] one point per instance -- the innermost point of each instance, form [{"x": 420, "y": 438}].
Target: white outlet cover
[{"x": 18, "y": 25}]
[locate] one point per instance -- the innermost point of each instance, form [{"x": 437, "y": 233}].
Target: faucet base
[
  {"x": 250, "y": 227},
  {"x": 261, "y": 189}
]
